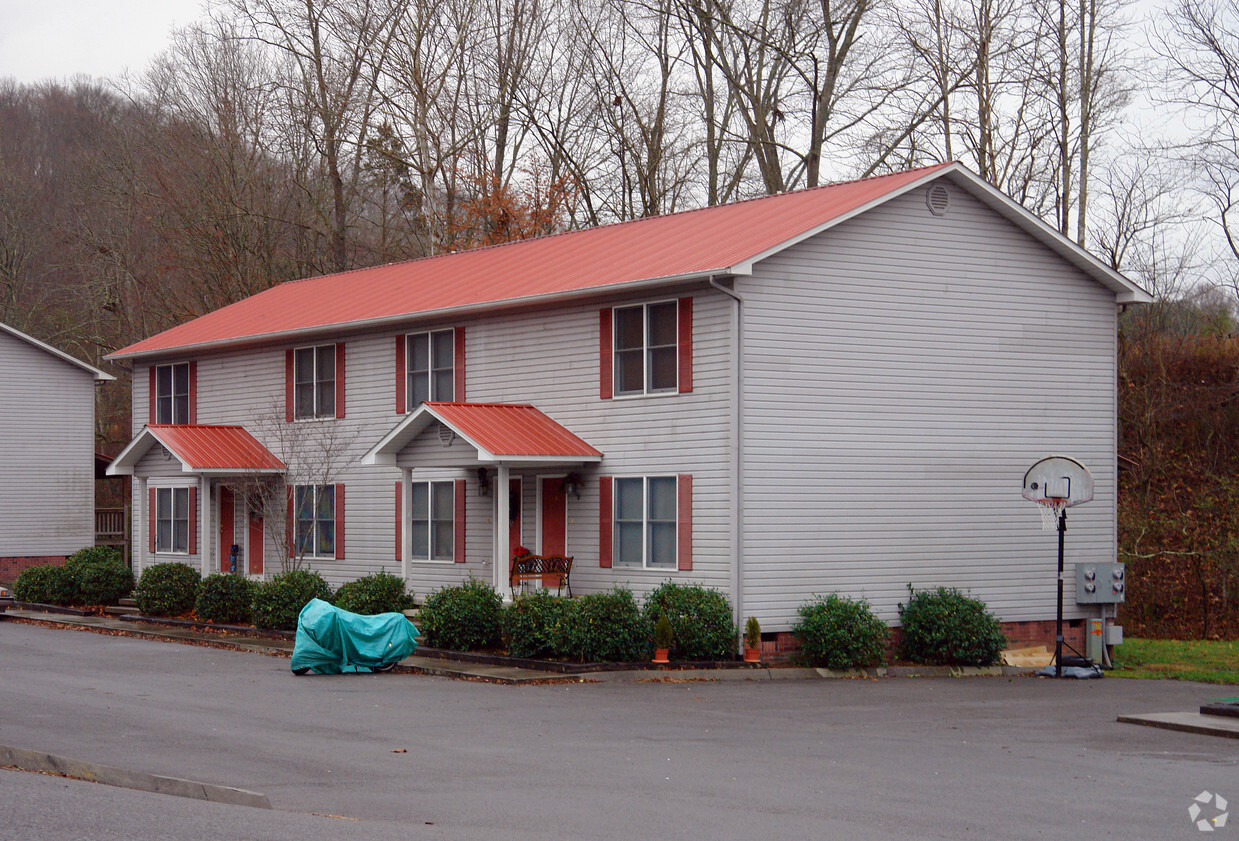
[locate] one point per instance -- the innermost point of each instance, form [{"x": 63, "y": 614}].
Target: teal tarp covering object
[{"x": 330, "y": 640}]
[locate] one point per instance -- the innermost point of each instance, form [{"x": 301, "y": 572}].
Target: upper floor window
[
  {"x": 314, "y": 382},
  {"x": 431, "y": 370},
  {"x": 172, "y": 515},
  {"x": 645, "y": 522},
  {"x": 315, "y": 507},
  {"x": 172, "y": 393},
  {"x": 645, "y": 348}
]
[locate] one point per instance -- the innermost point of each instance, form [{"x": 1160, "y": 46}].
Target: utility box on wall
[{"x": 1101, "y": 583}]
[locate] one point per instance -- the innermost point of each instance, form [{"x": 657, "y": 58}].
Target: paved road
[{"x": 864, "y": 759}]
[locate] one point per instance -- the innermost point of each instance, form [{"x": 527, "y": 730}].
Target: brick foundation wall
[
  {"x": 10, "y": 568},
  {"x": 1019, "y": 635}
]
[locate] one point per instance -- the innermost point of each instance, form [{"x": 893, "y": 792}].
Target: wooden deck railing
[{"x": 112, "y": 529}]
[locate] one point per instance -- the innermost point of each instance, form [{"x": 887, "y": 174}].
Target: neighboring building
[
  {"x": 832, "y": 390},
  {"x": 47, "y": 453}
]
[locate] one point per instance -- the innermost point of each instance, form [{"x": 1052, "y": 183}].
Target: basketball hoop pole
[{"x": 1058, "y": 637}]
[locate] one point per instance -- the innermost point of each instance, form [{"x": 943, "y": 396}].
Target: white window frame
[
  {"x": 314, "y": 520},
  {"x": 315, "y": 383},
  {"x": 646, "y": 522},
  {"x": 647, "y": 350},
  {"x": 430, "y": 371},
  {"x": 170, "y": 494},
  {"x": 432, "y": 486},
  {"x": 170, "y": 397}
]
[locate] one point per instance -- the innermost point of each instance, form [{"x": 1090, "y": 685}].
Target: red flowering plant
[{"x": 521, "y": 552}]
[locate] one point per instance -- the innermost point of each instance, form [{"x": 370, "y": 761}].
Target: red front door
[
  {"x": 554, "y": 522},
  {"x": 227, "y": 534}
]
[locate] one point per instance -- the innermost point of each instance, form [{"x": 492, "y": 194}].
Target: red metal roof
[
  {"x": 688, "y": 244},
  {"x": 206, "y": 447},
  {"x": 512, "y": 429}
]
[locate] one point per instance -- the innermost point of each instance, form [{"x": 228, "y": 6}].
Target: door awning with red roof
[
  {"x": 202, "y": 449},
  {"x": 500, "y": 432}
]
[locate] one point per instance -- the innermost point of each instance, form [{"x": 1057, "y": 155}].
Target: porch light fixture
[
  {"x": 483, "y": 482},
  {"x": 573, "y": 484}
]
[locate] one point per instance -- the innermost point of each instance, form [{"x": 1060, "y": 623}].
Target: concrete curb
[{"x": 30, "y": 760}]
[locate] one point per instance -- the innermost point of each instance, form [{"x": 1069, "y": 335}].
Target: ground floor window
[
  {"x": 316, "y": 520},
  {"x": 645, "y": 522},
  {"x": 172, "y": 520},
  {"x": 432, "y": 520}
]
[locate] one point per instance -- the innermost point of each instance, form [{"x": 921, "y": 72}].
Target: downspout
[{"x": 737, "y": 412}]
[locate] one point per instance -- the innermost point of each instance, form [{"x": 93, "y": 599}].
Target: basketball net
[{"x": 1050, "y": 509}]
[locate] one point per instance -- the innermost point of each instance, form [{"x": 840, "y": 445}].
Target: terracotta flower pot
[
  {"x": 752, "y": 655},
  {"x": 660, "y": 655}
]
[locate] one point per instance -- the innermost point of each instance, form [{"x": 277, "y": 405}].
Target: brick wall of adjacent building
[{"x": 12, "y": 567}]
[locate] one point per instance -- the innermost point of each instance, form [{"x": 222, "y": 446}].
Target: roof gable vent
[
  {"x": 937, "y": 197},
  {"x": 446, "y": 435}
]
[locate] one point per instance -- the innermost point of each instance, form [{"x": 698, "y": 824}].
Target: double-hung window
[
  {"x": 645, "y": 522},
  {"x": 315, "y": 507},
  {"x": 645, "y": 344},
  {"x": 432, "y": 520},
  {"x": 431, "y": 369},
  {"x": 314, "y": 382},
  {"x": 172, "y": 393},
  {"x": 172, "y": 520}
]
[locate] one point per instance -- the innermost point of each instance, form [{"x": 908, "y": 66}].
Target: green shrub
[
  {"x": 167, "y": 589},
  {"x": 606, "y": 628},
  {"x": 100, "y": 574},
  {"x": 45, "y": 585},
  {"x": 463, "y": 618},
  {"x": 226, "y": 598},
  {"x": 381, "y": 592},
  {"x": 945, "y": 627},
  {"x": 840, "y": 633},
  {"x": 533, "y": 625},
  {"x": 278, "y": 602},
  {"x": 700, "y": 621}
]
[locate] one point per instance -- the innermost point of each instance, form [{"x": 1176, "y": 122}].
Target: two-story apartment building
[{"x": 832, "y": 390}]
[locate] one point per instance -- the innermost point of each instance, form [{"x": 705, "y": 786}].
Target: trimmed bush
[
  {"x": 533, "y": 625},
  {"x": 45, "y": 585},
  {"x": 463, "y": 618},
  {"x": 606, "y": 628},
  {"x": 841, "y": 633},
  {"x": 100, "y": 574},
  {"x": 226, "y": 598},
  {"x": 167, "y": 589},
  {"x": 381, "y": 592},
  {"x": 700, "y": 621},
  {"x": 946, "y": 628},
  {"x": 277, "y": 602}
]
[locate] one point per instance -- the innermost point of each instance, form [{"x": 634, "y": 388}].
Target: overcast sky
[{"x": 57, "y": 39}]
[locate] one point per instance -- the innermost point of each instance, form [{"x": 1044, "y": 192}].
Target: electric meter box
[{"x": 1101, "y": 583}]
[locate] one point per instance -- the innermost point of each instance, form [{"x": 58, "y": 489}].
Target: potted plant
[
  {"x": 752, "y": 641},
  {"x": 662, "y": 639}
]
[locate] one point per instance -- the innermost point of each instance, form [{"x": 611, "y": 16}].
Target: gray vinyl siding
[
  {"x": 902, "y": 372},
  {"x": 547, "y": 358},
  {"x": 47, "y": 464}
]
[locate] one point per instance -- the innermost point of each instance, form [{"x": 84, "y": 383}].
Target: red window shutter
[
  {"x": 340, "y": 380},
  {"x": 154, "y": 397},
  {"x": 150, "y": 519},
  {"x": 193, "y": 522},
  {"x": 684, "y": 524},
  {"x": 193, "y": 392},
  {"x": 458, "y": 537},
  {"x": 606, "y": 367},
  {"x": 399, "y": 518},
  {"x": 402, "y": 377},
  {"x": 606, "y": 531},
  {"x": 458, "y": 371},
  {"x": 339, "y": 521},
  {"x": 288, "y": 388},
  {"x": 686, "y": 344},
  {"x": 290, "y": 525}
]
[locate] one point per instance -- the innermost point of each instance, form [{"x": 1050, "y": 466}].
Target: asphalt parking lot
[{"x": 410, "y": 756}]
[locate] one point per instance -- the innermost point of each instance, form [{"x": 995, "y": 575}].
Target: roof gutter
[{"x": 737, "y": 420}]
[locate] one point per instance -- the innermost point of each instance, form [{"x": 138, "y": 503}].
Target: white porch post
[
  {"x": 204, "y": 524},
  {"x": 406, "y": 514},
  {"x": 141, "y": 539},
  {"x": 502, "y": 516}
]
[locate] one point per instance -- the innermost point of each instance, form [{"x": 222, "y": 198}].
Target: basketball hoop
[{"x": 1050, "y": 510}]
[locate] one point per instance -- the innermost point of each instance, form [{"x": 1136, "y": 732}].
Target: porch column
[
  {"x": 204, "y": 524},
  {"x": 502, "y": 515},
  {"x": 141, "y": 537},
  {"x": 406, "y": 514}
]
